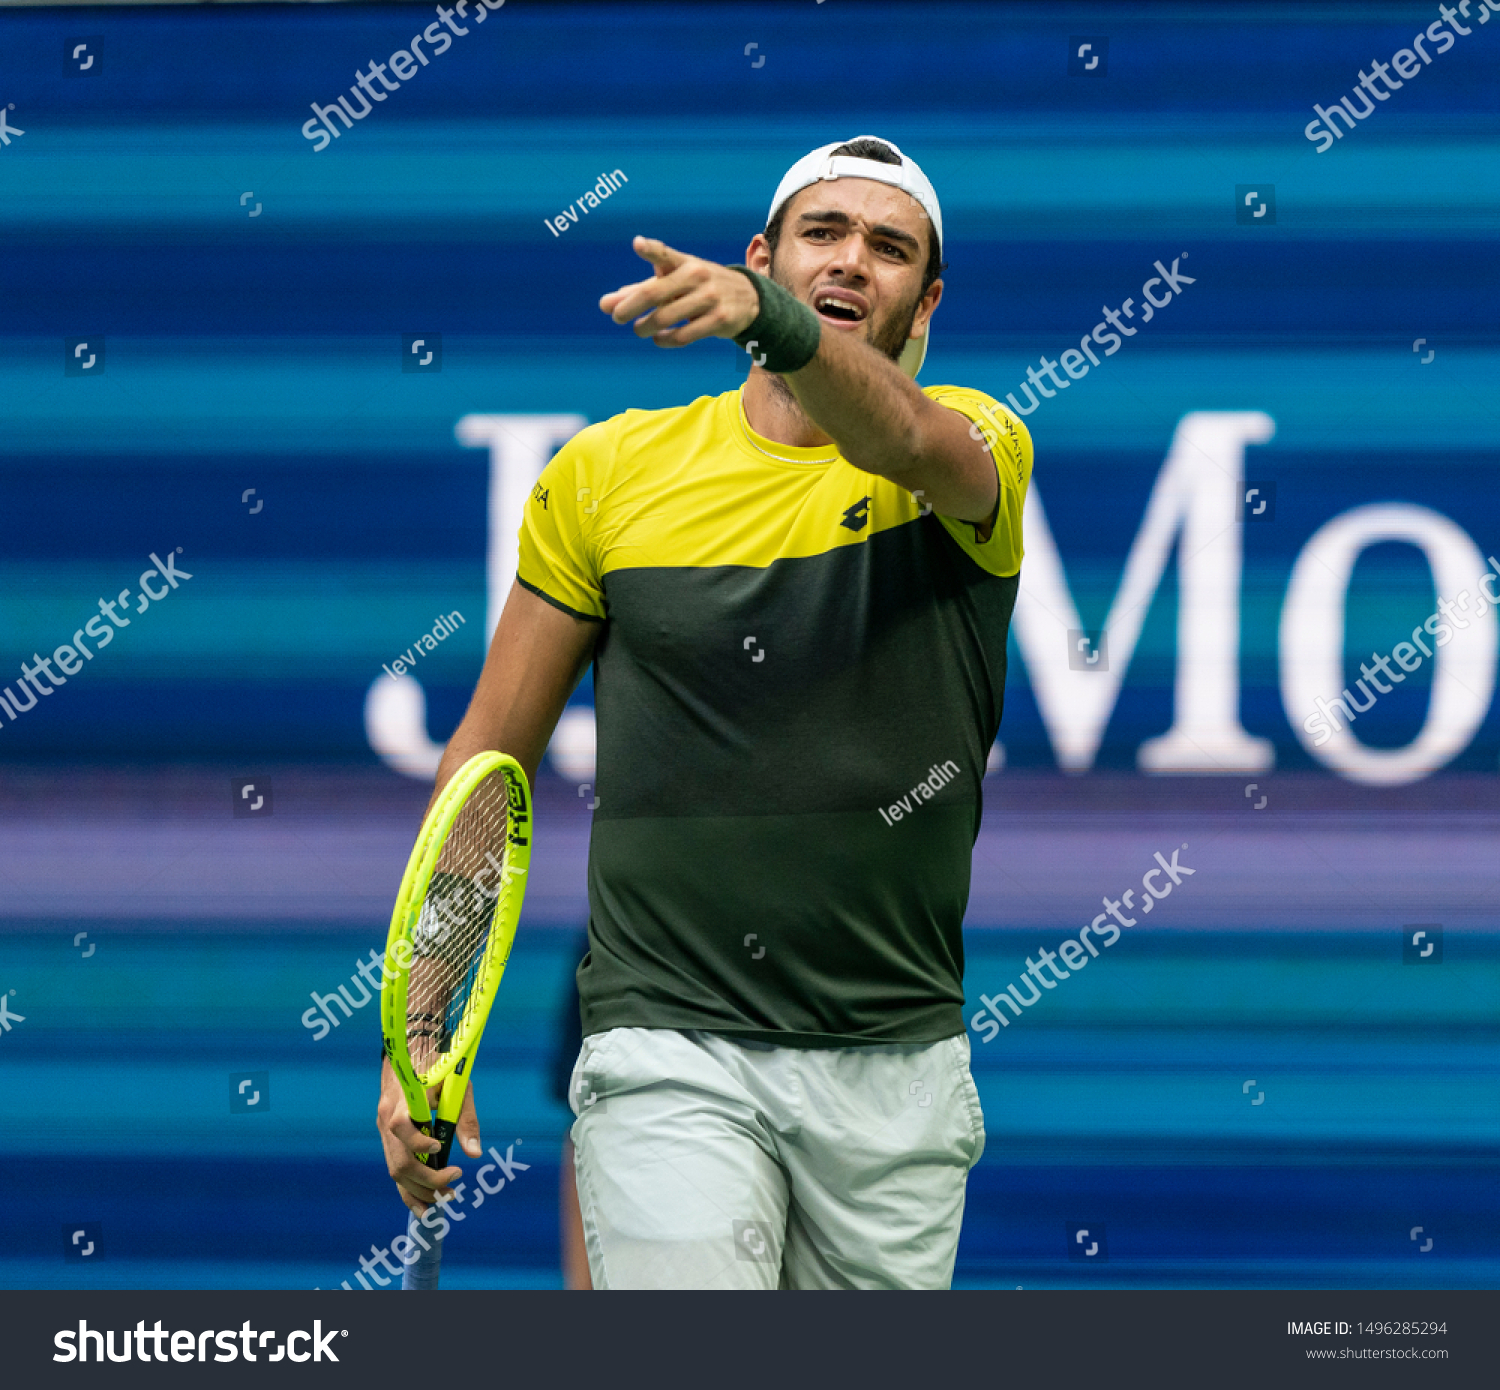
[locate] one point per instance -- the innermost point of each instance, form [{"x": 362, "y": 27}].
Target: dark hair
[{"x": 882, "y": 153}]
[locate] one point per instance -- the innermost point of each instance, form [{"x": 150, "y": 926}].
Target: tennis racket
[{"x": 450, "y": 938}]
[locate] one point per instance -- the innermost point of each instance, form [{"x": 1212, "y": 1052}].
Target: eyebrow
[{"x": 842, "y": 219}]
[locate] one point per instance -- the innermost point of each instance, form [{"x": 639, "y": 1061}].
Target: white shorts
[{"x": 709, "y": 1162}]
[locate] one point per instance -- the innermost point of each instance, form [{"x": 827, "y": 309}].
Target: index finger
[
  {"x": 662, "y": 256},
  {"x": 404, "y": 1128}
]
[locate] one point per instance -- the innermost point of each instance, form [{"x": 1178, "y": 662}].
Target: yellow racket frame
[{"x": 455, "y": 1066}]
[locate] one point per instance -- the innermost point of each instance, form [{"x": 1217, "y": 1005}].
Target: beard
[
  {"x": 888, "y": 338},
  {"x": 892, "y": 336}
]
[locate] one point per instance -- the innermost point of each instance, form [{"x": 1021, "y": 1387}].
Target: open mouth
[{"x": 840, "y": 308}]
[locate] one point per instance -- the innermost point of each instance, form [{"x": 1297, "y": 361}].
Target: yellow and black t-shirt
[{"x": 797, "y": 686}]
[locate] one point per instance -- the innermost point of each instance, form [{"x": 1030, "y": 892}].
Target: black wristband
[{"x": 785, "y": 334}]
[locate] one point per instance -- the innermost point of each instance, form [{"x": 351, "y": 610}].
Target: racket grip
[
  {"x": 443, "y": 1131},
  {"x": 422, "y": 1274}
]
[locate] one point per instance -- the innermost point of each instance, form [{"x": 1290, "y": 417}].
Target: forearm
[
  {"x": 885, "y": 424},
  {"x": 474, "y": 735},
  {"x": 865, "y": 403}
]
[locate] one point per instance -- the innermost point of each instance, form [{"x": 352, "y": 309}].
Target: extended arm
[{"x": 877, "y": 415}]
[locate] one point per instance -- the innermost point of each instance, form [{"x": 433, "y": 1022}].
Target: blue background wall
[{"x": 264, "y": 353}]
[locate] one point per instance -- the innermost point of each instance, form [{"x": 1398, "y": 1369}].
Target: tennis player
[{"x": 795, "y": 597}]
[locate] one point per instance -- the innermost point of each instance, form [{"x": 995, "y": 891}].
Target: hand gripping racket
[{"x": 450, "y": 938}]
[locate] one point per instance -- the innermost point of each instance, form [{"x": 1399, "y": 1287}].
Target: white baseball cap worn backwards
[{"x": 823, "y": 164}]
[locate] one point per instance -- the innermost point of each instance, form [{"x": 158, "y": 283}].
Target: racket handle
[
  {"x": 422, "y": 1274},
  {"x": 443, "y": 1131}
]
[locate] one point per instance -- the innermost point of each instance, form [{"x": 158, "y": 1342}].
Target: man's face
[{"x": 855, "y": 251}]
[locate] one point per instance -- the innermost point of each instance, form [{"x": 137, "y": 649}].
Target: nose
[{"x": 851, "y": 258}]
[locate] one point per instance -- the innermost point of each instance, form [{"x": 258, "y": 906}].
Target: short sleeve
[
  {"x": 1009, "y": 444},
  {"x": 558, "y": 559}
]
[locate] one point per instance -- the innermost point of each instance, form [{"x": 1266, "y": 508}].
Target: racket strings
[{"x": 468, "y": 887}]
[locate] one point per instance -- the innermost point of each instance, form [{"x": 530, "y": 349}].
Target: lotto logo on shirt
[{"x": 858, "y": 516}]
